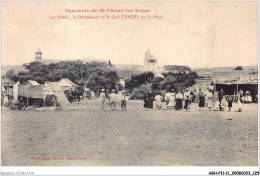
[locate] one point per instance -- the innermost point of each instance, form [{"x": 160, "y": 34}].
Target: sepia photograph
[{"x": 129, "y": 83}]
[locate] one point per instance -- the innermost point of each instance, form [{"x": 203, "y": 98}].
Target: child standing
[
  {"x": 123, "y": 101},
  {"x": 216, "y": 105},
  {"x": 230, "y": 101},
  {"x": 223, "y": 104}
]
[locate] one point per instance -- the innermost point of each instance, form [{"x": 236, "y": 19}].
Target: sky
[{"x": 197, "y": 34}]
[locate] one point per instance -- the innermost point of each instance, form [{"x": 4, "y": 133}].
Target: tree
[
  {"x": 239, "y": 68},
  {"x": 178, "y": 80},
  {"x": 10, "y": 74},
  {"x": 96, "y": 75},
  {"x": 139, "y": 84},
  {"x": 138, "y": 80}
]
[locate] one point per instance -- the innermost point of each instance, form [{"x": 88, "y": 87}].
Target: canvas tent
[
  {"x": 53, "y": 88},
  {"x": 67, "y": 84}
]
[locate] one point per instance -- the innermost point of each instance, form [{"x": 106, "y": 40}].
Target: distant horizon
[{"x": 57, "y": 60}]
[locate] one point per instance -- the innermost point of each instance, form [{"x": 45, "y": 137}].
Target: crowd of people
[{"x": 207, "y": 100}]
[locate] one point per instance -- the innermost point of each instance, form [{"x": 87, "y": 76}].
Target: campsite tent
[
  {"x": 53, "y": 88},
  {"x": 67, "y": 84}
]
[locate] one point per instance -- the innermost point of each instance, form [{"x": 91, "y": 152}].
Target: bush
[{"x": 239, "y": 68}]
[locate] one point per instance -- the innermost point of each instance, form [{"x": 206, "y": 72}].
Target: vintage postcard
[{"x": 129, "y": 83}]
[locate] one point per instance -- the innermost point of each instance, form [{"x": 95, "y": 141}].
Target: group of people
[
  {"x": 245, "y": 98},
  {"x": 206, "y": 100},
  {"x": 177, "y": 100},
  {"x": 108, "y": 101}
]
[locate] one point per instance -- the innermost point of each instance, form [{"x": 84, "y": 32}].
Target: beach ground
[{"x": 84, "y": 135}]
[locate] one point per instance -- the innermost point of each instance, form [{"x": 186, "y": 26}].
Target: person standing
[
  {"x": 187, "y": 103},
  {"x": 192, "y": 96},
  {"x": 196, "y": 96},
  {"x": 240, "y": 95},
  {"x": 221, "y": 94},
  {"x": 172, "y": 99},
  {"x": 123, "y": 101},
  {"x": 201, "y": 101},
  {"x": 146, "y": 100},
  {"x": 167, "y": 98},
  {"x": 224, "y": 104},
  {"x": 112, "y": 97},
  {"x": 179, "y": 98},
  {"x": 209, "y": 96},
  {"x": 187, "y": 93},
  {"x": 150, "y": 99},
  {"x": 230, "y": 101},
  {"x": 158, "y": 99},
  {"x": 102, "y": 98},
  {"x": 239, "y": 104}
]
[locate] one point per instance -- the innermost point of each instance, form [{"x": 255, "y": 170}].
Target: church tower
[{"x": 38, "y": 54}]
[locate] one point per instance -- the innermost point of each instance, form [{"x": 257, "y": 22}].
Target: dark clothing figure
[
  {"x": 146, "y": 101},
  {"x": 179, "y": 98},
  {"x": 178, "y": 104},
  {"x": 230, "y": 101},
  {"x": 201, "y": 101},
  {"x": 192, "y": 95},
  {"x": 221, "y": 94},
  {"x": 187, "y": 103},
  {"x": 150, "y": 100},
  {"x": 123, "y": 104}
]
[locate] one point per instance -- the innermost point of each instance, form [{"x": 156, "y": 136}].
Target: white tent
[
  {"x": 67, "y": 84},
  {"x": 53, "y": 88}
]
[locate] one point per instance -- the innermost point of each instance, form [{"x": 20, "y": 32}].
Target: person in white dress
[
  {"x": 158, "y": 99},
  {"x": 102, "y": 99},
  {"x": 170, "y": 99},
  {"x": 167, "y": 98}
]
